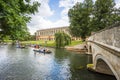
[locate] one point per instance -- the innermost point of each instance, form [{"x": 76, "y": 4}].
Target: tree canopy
[
  {"x": 80, "y": 18},
  {"x": 14, "y": 16},
  {"x": 104, "y": 14},
  {"x": 62, "y": 39},
  {"x": 87, "y": 17}
]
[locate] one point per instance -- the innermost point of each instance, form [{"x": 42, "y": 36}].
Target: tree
[
  {"x": 33, "y": 37},
  {"x": 80, "y": 16},
  {"x": 87, "y": 17},
  {"x": 105, "y": 14},
  {"x": 14, "y": 16},
  {"x": 62, "y": 39}
]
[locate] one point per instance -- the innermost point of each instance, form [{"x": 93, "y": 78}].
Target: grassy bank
[
  {"x": 73, "y": 43},
  {"x": 49, "y": 43},
  {"x": 40, "y": 42},
  {"x": 7, "y": 41}
]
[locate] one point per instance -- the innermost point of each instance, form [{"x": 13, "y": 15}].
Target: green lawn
[
  {"x": 8, "y": 41},
  {"x": 49, "y": 43},
  {"x": 73, "y": 43},
  {"x": 40, "y": 42}
]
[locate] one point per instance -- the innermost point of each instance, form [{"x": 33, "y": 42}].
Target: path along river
[{"x": 23, "y": 64}]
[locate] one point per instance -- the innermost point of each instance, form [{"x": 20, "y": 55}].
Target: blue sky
[
  {"x": 53, "y": 13},
  {"x": 54, "y": 5}
]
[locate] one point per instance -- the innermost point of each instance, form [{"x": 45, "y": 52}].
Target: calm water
[{"x": 23, "y": 64}]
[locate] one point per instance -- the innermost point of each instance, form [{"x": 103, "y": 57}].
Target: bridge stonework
[{"x": 105, "y": 49}]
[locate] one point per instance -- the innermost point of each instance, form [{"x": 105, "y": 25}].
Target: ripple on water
[{"x": 23, "y": 64}]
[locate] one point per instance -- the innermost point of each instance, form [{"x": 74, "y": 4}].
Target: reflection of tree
[
  {"x": 77, "y": 61},
  {"x": 61, "y": 54}
]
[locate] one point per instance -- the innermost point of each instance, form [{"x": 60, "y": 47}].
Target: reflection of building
[{"x": 48, "y": 34}]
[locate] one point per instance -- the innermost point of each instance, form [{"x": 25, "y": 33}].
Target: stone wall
[
  {"x": 105, "y": 46},
  {"x": 110, "y": 36}
]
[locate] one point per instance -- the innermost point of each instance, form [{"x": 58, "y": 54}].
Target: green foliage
[
  {"x": 62, "y": 39},
  {"x": 14, "y": 16},
  {"x": 105, "y": 14},
  {"x": 73, "y": 43},
  {"x": 50, "y": 43},
  {"x": 87, "y": 17},
  {"x": 80, "y": 18},
  {"x": 40, "y": 42},
  {"x": 32, "y": 37}
]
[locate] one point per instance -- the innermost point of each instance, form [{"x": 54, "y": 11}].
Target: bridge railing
[
  {"x": 109, "y": 36},
  {"x": 117, "y": 24}
]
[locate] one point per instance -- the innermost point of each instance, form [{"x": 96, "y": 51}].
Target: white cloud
[
  {"x": 67, "y": 4},
  {"x": 117, "y": 4},
  {"x": 44, "y": 9},
  {"x": 38, "y": 20},
  {"x": 41, "y": 21},
  {"x": 62, "y": 22}
]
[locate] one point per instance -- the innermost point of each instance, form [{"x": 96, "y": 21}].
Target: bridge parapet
[
  {"x": 105, "y": 49},
  {"x": 110, "y": 37}
]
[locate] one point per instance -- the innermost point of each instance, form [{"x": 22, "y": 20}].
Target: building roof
[{"x": 52, "y": 28}]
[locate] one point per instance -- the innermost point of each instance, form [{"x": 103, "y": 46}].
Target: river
[{"x": 24, "y": 64}]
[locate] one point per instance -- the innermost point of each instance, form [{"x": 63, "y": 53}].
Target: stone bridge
[{"x": 105, "y": 49}]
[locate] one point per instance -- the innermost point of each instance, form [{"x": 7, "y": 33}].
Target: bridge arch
[
  {"x": 102, "y": 65},
  {"x": 105, "y": 46}
]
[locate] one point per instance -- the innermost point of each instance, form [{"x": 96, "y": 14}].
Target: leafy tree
[
  {"x": 105, "y": 14},
  {"x": 33, "y": 37},
  {"x": 80, "y": 17},
  {"x": 14, "y": 16},
  {"x": 87, "y": 17},
  {"x": 62, "y": 39}
]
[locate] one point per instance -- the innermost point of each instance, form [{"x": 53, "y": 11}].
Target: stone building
[{"x": 48, "y": 34}]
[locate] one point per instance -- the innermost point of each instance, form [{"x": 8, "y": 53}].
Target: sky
[{"x": 53, "y": 13}]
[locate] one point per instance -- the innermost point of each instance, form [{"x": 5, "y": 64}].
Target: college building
[{"x": 48, "y": 34}]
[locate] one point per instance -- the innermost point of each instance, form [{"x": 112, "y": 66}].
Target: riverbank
[
  {"x": 77, "y": 48},
  {"x": 90, "y": 68},
  {"x": 50, "y": 43}
]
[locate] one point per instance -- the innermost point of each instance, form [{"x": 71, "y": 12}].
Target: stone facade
[
  {"x": 48, "y": 34},
  {"x": 105, "y": 49},
  {"x": 110, "y": 36}
]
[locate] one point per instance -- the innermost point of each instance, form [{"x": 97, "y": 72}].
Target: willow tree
[
  {"x": 14, "y": 16},
  {"x": 62, "y": 39}
]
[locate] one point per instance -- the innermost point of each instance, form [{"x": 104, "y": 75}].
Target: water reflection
[{"x": 24, "y": 64}]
